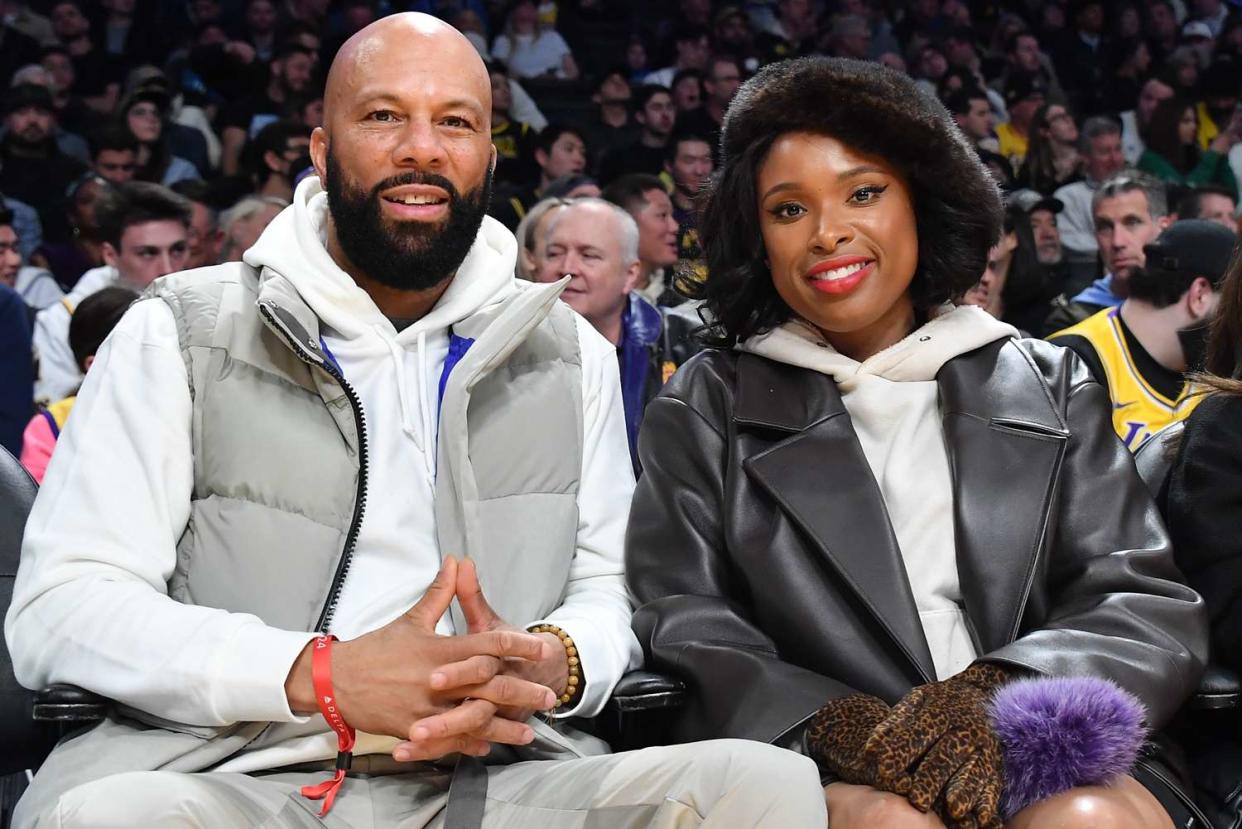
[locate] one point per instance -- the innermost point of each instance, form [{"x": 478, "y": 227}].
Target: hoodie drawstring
[
  {"x": 429, "y": 443},
  {"x": 423, "y": 438}
]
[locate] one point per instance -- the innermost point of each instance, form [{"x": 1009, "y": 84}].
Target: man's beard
[
  {"x": 411, "y": 255},
  {"x": 1049, "y": 255}
]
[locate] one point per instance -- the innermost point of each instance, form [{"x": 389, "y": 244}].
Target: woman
[
  {"x": 1173, "y": 153},
  {"x": 530, "y": 50},
  {"x": 863, "y": 491},
  {"x": 69, "y": 260},
  {"x": 1052, "y": 158},
  {"x": 144, "y": 114},
  {"x": 1014, "y": 284}
]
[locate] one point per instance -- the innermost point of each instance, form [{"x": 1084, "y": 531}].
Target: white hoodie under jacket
[{"x": 893, "y": 403}]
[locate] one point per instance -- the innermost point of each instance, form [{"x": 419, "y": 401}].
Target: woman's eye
[
  {"x": 789, "y": 210},
  {"x": 863, "y": 195}
]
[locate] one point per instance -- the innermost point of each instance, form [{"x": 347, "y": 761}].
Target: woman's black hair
[
  {"x": 1162, "y": 135},
  {"x": 874, "y": 110},
  {"x": 1026, "y": 293}
]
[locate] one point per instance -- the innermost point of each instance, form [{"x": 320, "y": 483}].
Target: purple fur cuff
[{"x": 1058, "y": 733}]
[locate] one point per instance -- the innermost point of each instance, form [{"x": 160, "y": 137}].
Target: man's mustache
[{"x": 406, "y": 179}]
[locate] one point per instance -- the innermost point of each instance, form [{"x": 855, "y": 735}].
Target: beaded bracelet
[{"x": 574, "y": 686}]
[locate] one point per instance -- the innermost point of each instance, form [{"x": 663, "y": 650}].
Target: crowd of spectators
[
  {"x": 144, "y": 137},
  {"x": 216, "y": 100}
]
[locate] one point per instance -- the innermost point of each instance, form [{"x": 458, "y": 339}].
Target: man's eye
[{"x": 383, "y": 116}]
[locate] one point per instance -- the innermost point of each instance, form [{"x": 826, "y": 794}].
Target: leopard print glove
[
  {"x": 837, "y": 733},
  {"x": 938, "y": 748}
]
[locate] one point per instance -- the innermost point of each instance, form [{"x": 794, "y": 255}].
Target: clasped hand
[
  {"x": 936, "y": 747},
  {"x": 438, "y": 694}
]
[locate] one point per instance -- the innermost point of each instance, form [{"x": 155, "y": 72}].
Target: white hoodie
[
  {"x": 893, "y": 402},
  {"x": 59, "y": 374},
  {"x": 90, "y": 604}
]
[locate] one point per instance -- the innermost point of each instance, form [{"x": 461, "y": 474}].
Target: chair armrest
[
  {"x": 1219, "y": 689},
  {"x": 68, "y": 703},
  {"x": 647, "y": 691}
]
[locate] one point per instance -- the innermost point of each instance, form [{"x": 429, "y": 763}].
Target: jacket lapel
[
  {"x": 818, "y": 475},
  {"x": 1006, "y": 443}
]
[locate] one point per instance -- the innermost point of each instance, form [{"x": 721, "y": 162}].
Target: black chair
[
  {"x": 32, "y": 723},
  {"x": 25, "y": 741}
]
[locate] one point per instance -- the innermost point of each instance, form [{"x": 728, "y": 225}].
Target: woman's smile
[{"x": 841, "y": 274}]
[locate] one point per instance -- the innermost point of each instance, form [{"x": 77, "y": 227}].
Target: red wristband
[{"x": 321, "y": 677}]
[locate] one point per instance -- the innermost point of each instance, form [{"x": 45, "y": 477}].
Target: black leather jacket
[{"x": 769, "y": 578}]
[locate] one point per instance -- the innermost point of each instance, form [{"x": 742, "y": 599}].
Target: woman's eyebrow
[
  {"x": 860, "y": 170},
  {"x": 782, "y": 187}
]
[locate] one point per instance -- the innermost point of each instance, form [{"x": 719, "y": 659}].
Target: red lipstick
[{"x": 850, "y": 272}]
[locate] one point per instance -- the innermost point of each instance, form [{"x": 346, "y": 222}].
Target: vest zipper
[
  {"x": 360, "y": 502},
  {"x": 360, "y": 498}
]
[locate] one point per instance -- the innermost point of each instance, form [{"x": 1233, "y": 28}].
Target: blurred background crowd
[{"x": 141, "y": 137}]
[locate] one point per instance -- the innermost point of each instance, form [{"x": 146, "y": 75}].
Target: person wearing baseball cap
[
  {"x": 1042, "y": 212},
  {"x": 32, "y": 168},
  {"x": 1024, "y": 94},
  {"x": 1142, "y": 349}
]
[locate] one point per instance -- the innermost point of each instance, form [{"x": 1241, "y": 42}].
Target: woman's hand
[
  {"x": 939, "y": 748},
  {"x": 836, "y": 735}
]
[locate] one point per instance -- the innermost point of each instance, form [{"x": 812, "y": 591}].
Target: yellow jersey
[
  {"x": 1139, "y": 409},
  {"x": 1208, "y": 129},
  {"x": 510, "y": 139},
  {"x": 1011, "y": 145}
]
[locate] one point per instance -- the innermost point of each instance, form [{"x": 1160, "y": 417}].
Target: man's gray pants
[{"x": 719, "y": 784}]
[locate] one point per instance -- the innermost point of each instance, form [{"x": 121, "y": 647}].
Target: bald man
[{"x": 363, "y": 521}]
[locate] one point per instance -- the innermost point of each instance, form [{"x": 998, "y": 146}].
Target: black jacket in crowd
[{"x": 1205, "y": 517}]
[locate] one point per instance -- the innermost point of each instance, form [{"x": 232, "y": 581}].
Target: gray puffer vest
[{"x": 280, "y": 453}]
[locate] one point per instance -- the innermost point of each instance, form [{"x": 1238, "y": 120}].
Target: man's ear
[
  {"x": 111, "y": 255},
  {"x": 319, "y": 154},
  {"x": 273, "y": 162},
  {"x": 1201, "y": 298},
  {"x": 632, "y": 274},
  {"x": 541, "y": 157},
  {"x": 1165, "y": 221}
]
